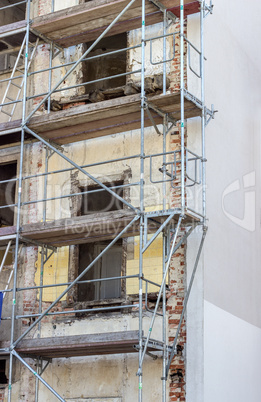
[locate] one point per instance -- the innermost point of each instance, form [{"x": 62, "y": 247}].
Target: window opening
[
  {"x": 108, "y": 266},
  {"x": 3, "y": 378},
  {"x": 99, "y": 200},
  {"x": 106, "y": 66},
  {"x": 7, "y": 193}
]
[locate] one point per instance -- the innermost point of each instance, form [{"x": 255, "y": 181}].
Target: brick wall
[
  {"x": 177, "y": 275},
  {"x": 2, "y": 394}
]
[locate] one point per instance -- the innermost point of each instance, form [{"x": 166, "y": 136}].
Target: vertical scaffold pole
[
  {"x": 182, "y": 106},
  {"x": 165, "y": 122},
  {"x": 18, "y": 215},
  {"x": 164, "y": 333},
  {"x": 141, "y": 191},
  {"x": 203, "y": 123}
]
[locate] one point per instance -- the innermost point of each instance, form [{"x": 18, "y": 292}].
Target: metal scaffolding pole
[
  {"x": 203, "y": 122},
  {"x": 182, "y": 122},
  {"x": 142, "y": 154},
  {"x": 18, "y": 218}
]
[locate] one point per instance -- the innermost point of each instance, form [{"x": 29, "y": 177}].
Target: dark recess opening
[
  {"x": 7, "y": 193},
  {"x": 3, "y": 378},
  {"x": 109, "y": 265},
  {"x": 101, "y": 200},
  {"x": 106, "y": 66}
]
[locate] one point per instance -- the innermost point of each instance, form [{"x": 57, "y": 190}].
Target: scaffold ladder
[
  {"x": 7, "y": 99},
  {"x": 6, "y": 267}
]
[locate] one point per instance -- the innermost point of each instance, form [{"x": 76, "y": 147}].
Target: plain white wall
[{"x": 232, "y": 275}]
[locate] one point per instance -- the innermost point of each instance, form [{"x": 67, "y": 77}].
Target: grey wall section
[
  {"x": 230, "y": 354},
  {"x": 233, "y": 81}
]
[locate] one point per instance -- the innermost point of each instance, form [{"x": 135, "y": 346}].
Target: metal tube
[
  {"x": 72, "y": 168},
  {"x": 186, "y": 300},
  {"x": 203, "y": 117},
  {"x": 50, "y": 76},
  {"x": 76, "y": 280},
  {"x": 14, "y": 353},
  {"x": 86, "y": 310},
  {"x": 164, "y": 329},
  {"x": 143, "y": 105},
  {"x": 45, "y": 182},
  {"x": 182, "y": 106},
  {"x": 79, "y": 282},
  {"x": 86, "y": 83},
  {"x": 98, "y": 56},
  {"x": 19, "y": 203},
  {"x": 140, "y": 307},
  {"x": 13, "y": 5},
  {"x": 17, "y": 77},
  {"x": 16, "y": 264},
  {"x": 81, "y": 58},
  {"x": 165, "y": 120},
  {"x": 39, "y": 324},
  {"x": 80, "y": 169},
  {"x": 14, "y": 32},
  {"x": 70, "y": 195},
  {"x": 161, "y": 288}
]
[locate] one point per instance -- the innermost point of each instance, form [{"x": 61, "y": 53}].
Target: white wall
[
  {"x": 234, "y": 348},
  {"x": 232, "y": 275}
]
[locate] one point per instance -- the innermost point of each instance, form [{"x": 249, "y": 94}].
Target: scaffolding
[{"x": 179, "y": 169}]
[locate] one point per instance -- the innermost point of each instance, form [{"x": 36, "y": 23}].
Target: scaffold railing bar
[
  {"x": 77, "y": 279},
  {"x": 13, "y": 32},
  {"x": 80, "y": 169},
  {"x": 81, "y": 58},
  {"x": 8, "y": 237},
  {"x": 98, "y": 56},
  {"x": 69, "y": 195},
  {"x": 37, "y": 375},
  {"x": 11, "y": 103},
  {"x": 10, "y": 131},
  {"x": 86, "y": 310},
  {"x": 17, "y": 77},
  {"x": 79, "y": 282},
  {"x": 186, "y": 300},
  {"x": 86, "y": 83},
  {"x": 73, "y": 168},
  {"x": 13, "y": 5}
]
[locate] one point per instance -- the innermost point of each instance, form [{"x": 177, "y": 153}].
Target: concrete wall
[{"x": 232, "y": 318}]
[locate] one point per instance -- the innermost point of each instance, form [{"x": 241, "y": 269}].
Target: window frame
[{"x": 73, "y": 269}]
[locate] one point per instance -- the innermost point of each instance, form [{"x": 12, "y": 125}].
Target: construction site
[{"x": 103, "y": 219}]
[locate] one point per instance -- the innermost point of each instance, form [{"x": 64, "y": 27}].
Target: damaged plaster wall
[{"x": 64, "y": 375}]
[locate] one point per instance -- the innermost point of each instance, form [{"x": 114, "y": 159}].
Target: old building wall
[{"x": 63, "y": 376}]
